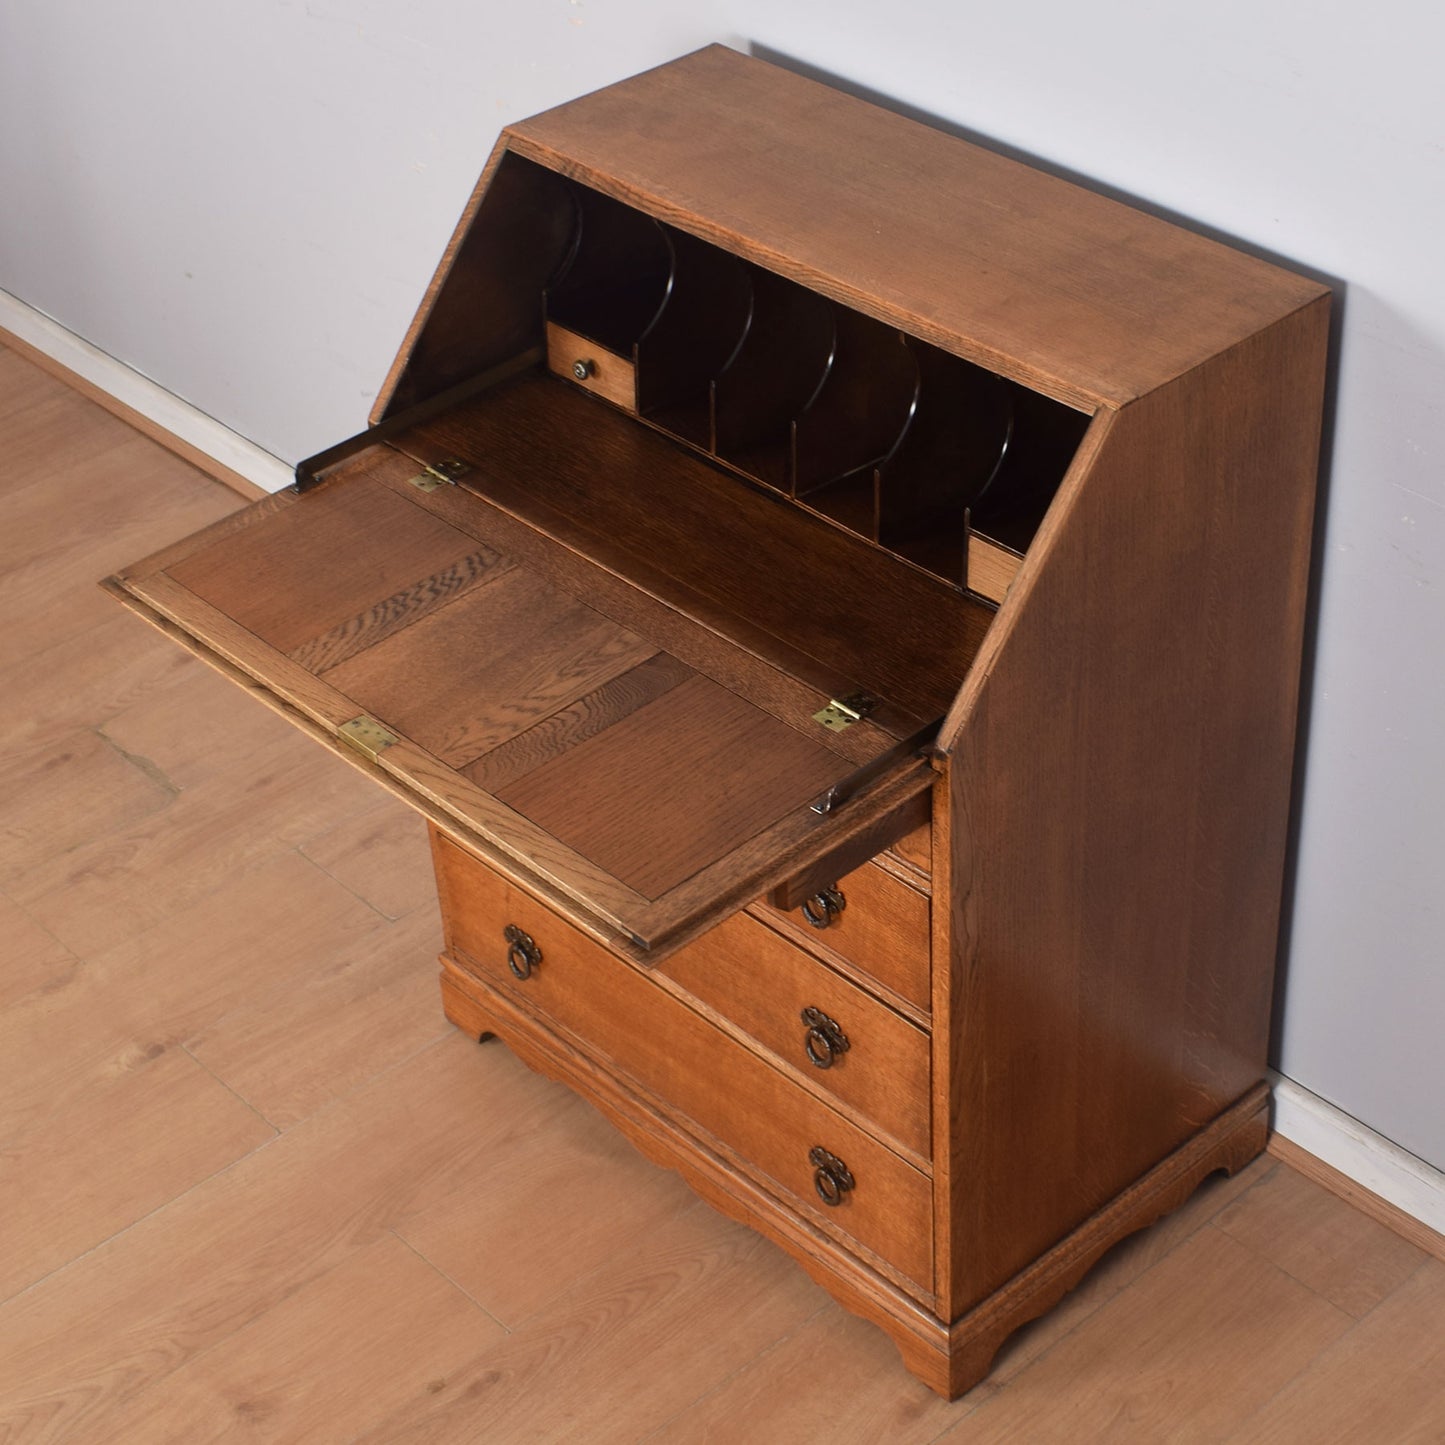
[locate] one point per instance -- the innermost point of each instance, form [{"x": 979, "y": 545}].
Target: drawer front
[
  {"x": 916, "y": 847},
  {"x": 625, "y": 1021},
  {"x": 590, "y": 366},
  {"x": 882, "y": 928},
  {"x": 849, "y": 1044}
]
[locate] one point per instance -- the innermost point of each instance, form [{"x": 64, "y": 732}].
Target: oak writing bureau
[{"x": 837, "y": 595}]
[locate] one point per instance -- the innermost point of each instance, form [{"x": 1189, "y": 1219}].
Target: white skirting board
[
  {"x": 1371, "y": 1160},
  {"x": 141, "y": 394}
]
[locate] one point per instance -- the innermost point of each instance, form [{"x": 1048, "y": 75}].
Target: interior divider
[
  {"x": 694, "y": 338},
  {"x": 778, "y": 370},
  {"x": 961, "y": 430},
  {"x": 618, "y": 277},
  {"x": 911, "y": 447}
]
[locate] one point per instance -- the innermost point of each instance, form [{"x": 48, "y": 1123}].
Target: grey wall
[{"x": 245, "y": 200}]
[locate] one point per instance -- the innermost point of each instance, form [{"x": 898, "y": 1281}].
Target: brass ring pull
[
  {"x": 831, "y": 1176},
  {"x": 824, "y": 1040},
  {"x": 523, "y": 955},
  {"x": 824, "y": 906}
]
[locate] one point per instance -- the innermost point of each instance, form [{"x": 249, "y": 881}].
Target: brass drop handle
[
  {"x": 831, "y": 1176},
  {"x": 824, "y": 906},
  {"x": 523, "y": 955},
  {"x": 824, "y": 1040}
]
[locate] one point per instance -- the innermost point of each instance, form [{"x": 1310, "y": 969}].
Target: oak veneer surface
[
  {"x": 726, "y": 768},
  {"x": 1129, "y": 980},
  {"x": 655, "y": 806},
  {"x": 497, "y": 661},
  {"x": 592, "y": 713},
  {"x": 255, "y": 1298},
  {"x": 541, "y": 447},
  {"x": 294, "y": 576}
]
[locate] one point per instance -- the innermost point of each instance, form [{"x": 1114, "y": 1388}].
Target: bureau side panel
[{"x": 1121, "y": 765}]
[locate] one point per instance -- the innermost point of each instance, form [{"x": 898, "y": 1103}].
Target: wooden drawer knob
[
  {"x": 824, "y": 1040},
  {"x": 831, "y": 1176},
  {"x": 824, "y": 907},
  {"x": 523, "y": 955}
]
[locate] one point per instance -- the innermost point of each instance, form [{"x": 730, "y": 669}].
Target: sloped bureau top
[{"x": 1063, "y": 290}]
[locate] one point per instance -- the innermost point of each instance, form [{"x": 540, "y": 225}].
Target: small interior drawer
[
  {"x": 838, "y": 1037},
  {"x": 620, "y": 1016},
  {"x": 592, "y": 367},
  {"x": 873, "y": 920}
]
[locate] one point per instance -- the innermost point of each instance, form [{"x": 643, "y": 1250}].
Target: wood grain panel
[
  {"x": 598, "y": 902},
  {"x": 589, "y": 715},
  {"x": 640, "y": 504},
  {"x": 731, "y": 651},
  {"x": 488, "y": 666},
  {"x": 676, "y": 785},
  {"x": 1121, "y": 771},
  {"x": 235, "y": 519},
  {"x": 340, "y": 551},
  {"x": 389, "y": 616},
  {"x": 415, "y": 775}
]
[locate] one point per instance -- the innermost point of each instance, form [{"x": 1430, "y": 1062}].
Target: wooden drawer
[
  {"x": 617, "y": 1014},
  {"x": 916, "y": 848},
  {"x": 877, "y": 1062},
  {"x": 591, "y": 367},
  {"x": 882, "y": 928}
]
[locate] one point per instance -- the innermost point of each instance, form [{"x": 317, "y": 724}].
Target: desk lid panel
[{"x": 576, "y": 751}]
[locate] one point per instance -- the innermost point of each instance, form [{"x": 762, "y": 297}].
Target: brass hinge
[
  {"x": 439, "y": 474},
  {"x": 843, "y": 712},
  {"x": 367, "y": 736}
]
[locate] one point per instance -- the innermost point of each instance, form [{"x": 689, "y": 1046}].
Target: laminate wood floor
[{"x": 253, "y": 1187}]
